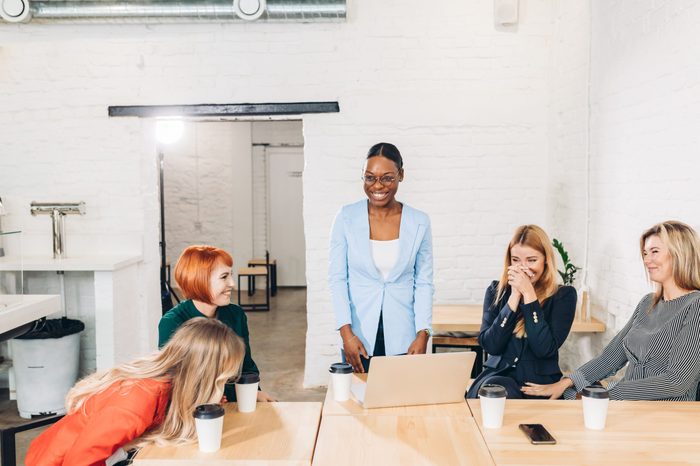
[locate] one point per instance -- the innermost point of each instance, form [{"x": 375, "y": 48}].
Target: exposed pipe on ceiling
[{"x": 174, "y": 10}]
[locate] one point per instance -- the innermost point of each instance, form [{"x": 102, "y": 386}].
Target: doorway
[
  {"x": 285, "y": 168},
  {"x": 237, "y": 185}
]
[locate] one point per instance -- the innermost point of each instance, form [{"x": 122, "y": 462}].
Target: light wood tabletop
[
  {"x": 636, "y": 433},
  {"x": 279, "y": 433},
  {"x": 257, "y": 271},
  {"x": 467, "y": 318},
  {"x": 352, "y": 407},
  {"x": 398, "y": 440}
]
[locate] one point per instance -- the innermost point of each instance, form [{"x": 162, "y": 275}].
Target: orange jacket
[{"x": 107, "y": 420}]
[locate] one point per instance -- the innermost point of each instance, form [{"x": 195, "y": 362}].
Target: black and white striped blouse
[{"x": 661, "y": 348}]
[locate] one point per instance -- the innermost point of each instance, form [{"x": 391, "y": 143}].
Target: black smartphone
[{"x": 537, "y": 434}]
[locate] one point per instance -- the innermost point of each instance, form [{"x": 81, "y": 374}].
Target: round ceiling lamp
[
  {"x": 249, "y": 10},
  {"x": 14, "y": 11}
]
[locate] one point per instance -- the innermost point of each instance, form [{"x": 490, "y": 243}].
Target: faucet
[{"x": 58, "y": 210}]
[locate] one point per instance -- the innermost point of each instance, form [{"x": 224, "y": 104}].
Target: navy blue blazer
[{"x": 534, "y": 358}]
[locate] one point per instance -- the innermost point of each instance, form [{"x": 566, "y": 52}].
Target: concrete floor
[{"x": 277, "y": 344}]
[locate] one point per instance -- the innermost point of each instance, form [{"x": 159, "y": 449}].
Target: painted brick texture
[{"x": 492, "y": 125}]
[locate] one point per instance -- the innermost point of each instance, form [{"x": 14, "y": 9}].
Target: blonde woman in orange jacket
[{"x": 150, "y": 399}]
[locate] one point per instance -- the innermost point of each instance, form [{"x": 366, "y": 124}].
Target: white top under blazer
[{"x": 385, "y": 255}]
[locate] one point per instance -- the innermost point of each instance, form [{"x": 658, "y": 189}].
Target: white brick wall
[
  {"x": 466, "y": 104},
  {"x": 644, "y": 94},
  {"x": 200, "y": 174},
  {"x": 568, "y": 116},
  {"x": 491, "y": 124},
  {"x": 642, "y": 138}
]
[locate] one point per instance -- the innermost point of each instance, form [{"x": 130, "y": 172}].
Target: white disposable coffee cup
[
  {"x": 247, "y": 391},
  {"x": 341, "y": 378},
  {"x": 209, "y": 422},
  {"x": 493, "y": 404},
  {"x": 595, "y": 407}
]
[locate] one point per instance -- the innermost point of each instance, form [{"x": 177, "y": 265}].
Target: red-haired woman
[{"x": 205, "y": 278}]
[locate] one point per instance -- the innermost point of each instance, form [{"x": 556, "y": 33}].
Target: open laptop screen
[{"x": 417, "y": 379}]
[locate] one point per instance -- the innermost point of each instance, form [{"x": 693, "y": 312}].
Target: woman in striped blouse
[{"x": 661, "y": 343}]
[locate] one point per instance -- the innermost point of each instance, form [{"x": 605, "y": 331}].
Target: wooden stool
[
  {"x": 251, "y": 273},
  {"x": 472, "y": 343},
  {"x": 271, "y": 265}
]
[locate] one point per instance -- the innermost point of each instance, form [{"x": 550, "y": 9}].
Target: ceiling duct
[{"x": 181, "y": 11}]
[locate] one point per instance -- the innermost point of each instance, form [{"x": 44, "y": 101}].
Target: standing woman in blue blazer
[
  {"x": 527, "y": 317},
  {"x": 381, "y": 267}
]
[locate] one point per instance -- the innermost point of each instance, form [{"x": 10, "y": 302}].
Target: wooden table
[
  {"x": 398, "y": 440},
  {"x": 354, "y": 408},
  {"x": 637, "y": 432},
  {"x": 467, "y": 318},
  {"x": 279, "y": 433}
]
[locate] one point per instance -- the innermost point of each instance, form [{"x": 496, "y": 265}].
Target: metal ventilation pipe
[{"x": 175, "y": 10}]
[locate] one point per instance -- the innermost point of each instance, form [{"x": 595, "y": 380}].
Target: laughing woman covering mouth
[
  {"x": 381, "y": 267},
  {"x": 204, "y": 276}
]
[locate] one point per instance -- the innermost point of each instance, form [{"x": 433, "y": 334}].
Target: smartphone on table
[{"x": 537, "y": 434}]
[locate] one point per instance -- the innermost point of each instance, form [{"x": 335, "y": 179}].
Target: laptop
[{"x": 417, "y": 379}]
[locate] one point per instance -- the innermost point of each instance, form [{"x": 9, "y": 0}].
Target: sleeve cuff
[
  {"x": 532, "y": 312},
  {"x": 506, "y": 318},
  {"x": 579, "y": 380},
  {"x": 339, "y": 325}
]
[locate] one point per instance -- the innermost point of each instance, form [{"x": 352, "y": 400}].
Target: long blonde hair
[
  {"x": 536, "y": 238},
  {"x": 197, "y": 361},
  {"x": 684, "y": 247}
]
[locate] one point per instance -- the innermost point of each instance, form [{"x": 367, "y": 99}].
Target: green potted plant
[{"x": 568, "y": 276}]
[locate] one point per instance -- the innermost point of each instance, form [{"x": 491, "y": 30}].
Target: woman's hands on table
[{"x": 353, "y": 348}]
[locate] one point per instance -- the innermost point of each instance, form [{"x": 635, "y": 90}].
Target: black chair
[
  {"x": 459, "y": 340},
  {"x": 8, "y": 455}
]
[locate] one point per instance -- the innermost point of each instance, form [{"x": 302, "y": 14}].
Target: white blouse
[{"x": 385, "y": 255}]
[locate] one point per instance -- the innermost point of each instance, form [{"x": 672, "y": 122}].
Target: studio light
[{"x": 169, "y": 131}]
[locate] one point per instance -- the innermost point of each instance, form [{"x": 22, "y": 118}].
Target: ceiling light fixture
[
  {"x": 15, "y": 11},
  {"x": 249, "y": 10}
]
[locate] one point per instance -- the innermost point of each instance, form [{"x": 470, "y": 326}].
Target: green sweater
[{"x": 231, "y": 315}]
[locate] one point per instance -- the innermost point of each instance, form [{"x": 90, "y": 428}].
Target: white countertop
[
  {"x": 69, "y": 264},
  {"x": 17, "y": 310}
]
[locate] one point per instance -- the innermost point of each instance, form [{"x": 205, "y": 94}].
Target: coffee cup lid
[
  {"x": 491, "y": 390},
  {"x": 340, "y": 368},
  {"x": 210, "y": 411},
  {"x": 595, "y": 392},
  {"x": 248, "y": 377}
]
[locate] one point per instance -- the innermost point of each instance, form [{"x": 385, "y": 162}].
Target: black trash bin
[{"x": 45, "y": 364}]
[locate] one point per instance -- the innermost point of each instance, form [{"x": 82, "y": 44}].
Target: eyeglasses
[{"x": 386, "y": 180}]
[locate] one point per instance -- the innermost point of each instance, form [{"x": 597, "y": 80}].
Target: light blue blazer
[{"x": 359, "y": 291}]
